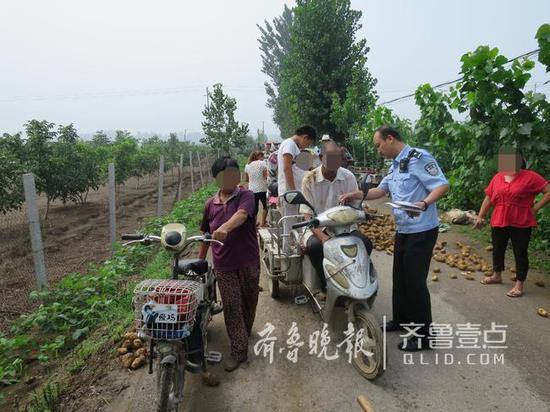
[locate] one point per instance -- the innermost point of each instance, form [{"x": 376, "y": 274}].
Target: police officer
[{"x": 415, "y": 177}]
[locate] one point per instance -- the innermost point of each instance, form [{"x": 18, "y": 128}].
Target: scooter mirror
[
  {"x": 294, "y": 198},
  {"x": 366, "y": 184}
]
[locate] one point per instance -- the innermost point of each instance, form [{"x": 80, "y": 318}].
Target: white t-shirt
[
  {"x": 322, "y": 193},
  {"x": 256, "y": 180},
  {"x": 288, "y": 147}
]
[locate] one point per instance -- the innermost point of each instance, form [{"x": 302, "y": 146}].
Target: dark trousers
[
  {"x": 316, "y": 255},
  {"x": 411, "y": 263},
  {"x": 239, "y": 290},
  {"x": 520, "y": 241},
  {"x": 259, "y": 197}
]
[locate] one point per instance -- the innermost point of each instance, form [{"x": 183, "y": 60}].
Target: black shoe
[
  {"x": 391, "y": 326},
  {"x": 414, "y": 344}
]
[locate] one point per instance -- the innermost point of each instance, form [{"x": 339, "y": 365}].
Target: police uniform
[{"x": 414, "y": 173}]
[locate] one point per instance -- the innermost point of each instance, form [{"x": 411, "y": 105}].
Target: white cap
[{"x": 325, "y": 137}]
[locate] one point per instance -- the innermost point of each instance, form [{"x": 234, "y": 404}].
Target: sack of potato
[
  {"x": 381, "y": 232},
  {"x": 459, "y": 217},
  {"x": 132, "y": 352}
]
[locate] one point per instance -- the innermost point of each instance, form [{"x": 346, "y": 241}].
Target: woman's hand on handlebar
[{"x": 220, "y": 234}]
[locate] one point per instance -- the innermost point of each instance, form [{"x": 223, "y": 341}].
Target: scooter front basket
[{"x": 165, "y": 309}]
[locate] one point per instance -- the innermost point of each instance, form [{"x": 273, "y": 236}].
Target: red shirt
[{"x": 513, "y": 201}]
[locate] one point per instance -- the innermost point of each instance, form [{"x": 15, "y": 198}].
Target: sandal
[
  {"x": 514, "y": 293},
  {"x": 490, "y": 281}
]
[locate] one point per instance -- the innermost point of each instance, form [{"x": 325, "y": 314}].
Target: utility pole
[
  {"x": 185, "y": 135},
  {"x": 207, "y": 99}
]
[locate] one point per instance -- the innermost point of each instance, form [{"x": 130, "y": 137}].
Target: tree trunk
[{"x": 47, "y": 208}]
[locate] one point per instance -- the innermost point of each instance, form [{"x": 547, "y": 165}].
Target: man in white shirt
[
  {"x": 322, "y": 188},
  {"x": 289, "y": 175}
]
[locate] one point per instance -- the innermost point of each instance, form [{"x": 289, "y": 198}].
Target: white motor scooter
[{"x": 352, "y": 281}]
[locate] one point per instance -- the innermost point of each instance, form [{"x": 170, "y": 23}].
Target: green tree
[
  {"x": 40, "y": 135},
  {"x": 275, "y": 46},
  {"x": 11, "y": 171},
  {"x": 325, "y": 69},
  {"x": 350, "y": 113},
  {"x": 220, "y": 127},
  {"x": 172, "y": 153},
  {"x": 378, "y": 116},
  {"x": 92, "y": 169},
  {"x": 499, "y": 112},
  {"x": 124, "y": 152},
  {"x": 67, "y": 134},
  {"x": 100, "y": 138},
  {"x": 543, "y": 38}
]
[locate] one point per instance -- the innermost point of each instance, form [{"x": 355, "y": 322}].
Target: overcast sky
[{"x": 144, "y": 66}]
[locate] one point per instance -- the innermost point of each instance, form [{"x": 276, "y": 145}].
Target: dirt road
[{"x": 518, "y": 380}]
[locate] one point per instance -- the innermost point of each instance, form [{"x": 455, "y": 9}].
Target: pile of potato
[
  {"x": 132, "y": 353},
  {"x": 381, "y": 232},
  {"x": 465, "y": 260}
]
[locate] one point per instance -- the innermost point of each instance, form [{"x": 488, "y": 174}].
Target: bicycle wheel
[{"x": 170, "y": 381}]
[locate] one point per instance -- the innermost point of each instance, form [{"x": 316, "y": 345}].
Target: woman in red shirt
[{"x": 512, "y": 192}]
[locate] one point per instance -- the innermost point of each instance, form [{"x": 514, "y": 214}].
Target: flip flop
[
  {"x": 490, "y": 281},
  {"x": 514, "y": 293}
]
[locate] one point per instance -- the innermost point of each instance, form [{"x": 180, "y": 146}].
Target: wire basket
[{"x": 165, "y": 309}]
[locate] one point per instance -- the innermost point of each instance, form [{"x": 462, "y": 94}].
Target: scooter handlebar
[
  {"x": 132, "y": 236},
  {"x": 312, "y": 222}
]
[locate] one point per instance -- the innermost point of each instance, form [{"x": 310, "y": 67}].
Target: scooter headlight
[{"x": 349, "y": 250}]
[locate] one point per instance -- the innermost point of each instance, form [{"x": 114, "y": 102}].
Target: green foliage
[
  {"x": 124, "y": 151},
  {"x": 79, "y": 303},
  {"x": 100, "y": 139},
  {"x": 275, "y": 46},
  {"x": 11, "y": 371},
  {"x": 323, "y": 79},
  {"x": 11, "y": 171},
  {"x": 499, "y": 112},
  {"x": 376, "y": 117},
  {"x": 222, "y": 131},
  {"x": 45, "y": 401},
  {"x": 66, "y": 168},
  {"x": 350, "y": 113},
  {"x": 67, "y": 313},
  {"x": 543, "y": 38},
  {"x": 188, "y": 211},
  {"x": 496, "y": 110}
]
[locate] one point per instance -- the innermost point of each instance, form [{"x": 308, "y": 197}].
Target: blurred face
[
  {"x": 332, "y": 158},
  {"x": 509, "y": 163},
  {"x": 386, "y": 148},
  {"x": 228, "y": 179},
  {"x": 304, "y": 160}
]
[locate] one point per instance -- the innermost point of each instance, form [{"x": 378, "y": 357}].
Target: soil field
[{"x": 74, "y": 236}]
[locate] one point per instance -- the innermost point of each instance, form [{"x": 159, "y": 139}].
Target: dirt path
[{"x": 520, "y": 383}]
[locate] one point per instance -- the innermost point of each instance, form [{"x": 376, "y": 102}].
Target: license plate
[{"x": 165, "y": 313}]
